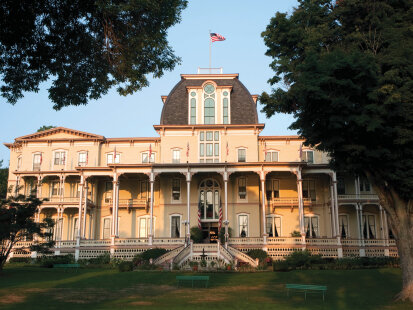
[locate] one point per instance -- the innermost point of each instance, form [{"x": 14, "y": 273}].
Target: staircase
[{"x": 200, "y": 251}]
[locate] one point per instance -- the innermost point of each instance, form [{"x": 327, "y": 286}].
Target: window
[
  {"x": 273, "y": 226},
  {"x": 365, "y": 186},
  {"x": 108, "y": 192},
  {"x": 106, "y": 228},
  {"x": 209, "y": 104},
  {"x": 31, "y": 187},
  {"x": 176, "y": 156},
  {"x": 209, "y": 199},
  {"x": 225, "y": 107},
  {"x": 343, "y": 226},
  {"x": 59, "y": 158},
  {"x": 146, "y": 159},
  {"x": 110, "y": 156},
  {"x": 192, "y": 109},
  {"x": 311, "y": 226},
  {"x": 176, "y": 189},
  {"x": 175, "y": 226},
  {"x": 272, "y": 189},
  {"x": 242, "y": 155},
  {"x": 74, "y": 190},
  {"x": 145, "y": 226},
  {"x": 242, "y": 188},
  {"x": 19, "y": 163},
  {"x": 309, "y": 189},
  {"x": 54, "y": 188},
  {"x": 37, "y": 161},
  {"x": 243, "y": 225},
  {"x": 341, "y": 187},
  {"x": 209, "y": 146},
  {"x": 271, "y": 156},
  {"x": 308, "y": 156},
  {"x": 83, "y": 159},
  {"x": 143, "y": 192},
  {"x": 369, "y": 227}
]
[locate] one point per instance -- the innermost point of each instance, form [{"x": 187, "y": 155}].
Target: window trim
[
  {"x": 272, "y": 216},
  {"x": 180, "y": 224},
  {"x": 103, "y": 226},
  {"x": 19, "y": 162},
  {"x": 189, "y": 106},
  {"x": 222, "y": 105},
  {"x": 60, "y": 159},
  {"x": 118, "y": 155},
  {"x": 148, "y": 219},
  {"x": 172, "y": 191},
  {"x": 238, "y": 224},
  {"x": 245, "y": 199},
  {"x": 366, "y": 215},
  {"x": 147, "y": 154},
  {"x": 86, "y": 158},
  {"x": 311, "y": 230},
  {"x": 272, "y": 151},
  {"x": 179, "y": 157},
  {"x": 305, "y": 151},
  {"x": 243, "y": 148},
  {"x": 40, "y": 162},
  {"x": 203, "y": 102},
  {"x": 348, "y": 225}
]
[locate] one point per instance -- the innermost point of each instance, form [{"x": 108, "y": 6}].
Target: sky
[{"x": 239, "y": 21}]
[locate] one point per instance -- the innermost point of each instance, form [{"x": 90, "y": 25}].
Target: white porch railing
[
  {"x": 285, "y": 240},
  {"x": 23, "y": 244},
  {"x": 358, "y": 197},
  {"x": 90, "y": 242},
  {"x": 321, "y": 241},
  {"x": 166, "y": 241},
  {"x": 67, "y": 243},
  {"x": 131, "y": 241},
  {"x": 246, "y": 241},
  {"x": 375, "y": 242},
  {"x": 350, "y": 242}
]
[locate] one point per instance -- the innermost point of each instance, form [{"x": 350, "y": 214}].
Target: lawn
[{"x": 41, "y": 288}]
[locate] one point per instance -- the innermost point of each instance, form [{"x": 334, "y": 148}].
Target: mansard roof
[{"x": 243, "y": 107}]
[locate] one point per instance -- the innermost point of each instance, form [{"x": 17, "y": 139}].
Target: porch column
[
  {"x": 362, "y": 245},
  {"x": 300, "y": 204},
  {"x": 333, "y": 222},
  {"x": 39, "y": 187},
  {"x": 79, "y": 220},
  {"x": 115, "y": 207},
  {"x": 85, "y": 210},
  {"x": 226, "y": 222},
  {"x": 381, "y": 223},
  {"x": 264, "y": 234},
  {"x": 59, "y": 230},
  {"x": 334, "y": 180},
  {"x": 16, "y": 190},
  {"x": 61, "y": 187},
  {"x": 188, "y": 208},
  {"x": 151, "y": 181},
  {"x": 386, "y": 234}
]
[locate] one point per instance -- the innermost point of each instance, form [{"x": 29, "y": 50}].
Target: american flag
[
  {"x": 220, "y": 218},
  {"x": 87, "y": 158},
  {"x": 216, "y": 37},
  {"x": 41, "y": 158},
  {"x": 114, "y": 155},
  {"x": 265, "y": 150},
  {"x": 187, "y": 149},
  {"x": 150, "y": 152},
  {"x": 301, "y": 152},
  {"x": 227, "y": 149}
]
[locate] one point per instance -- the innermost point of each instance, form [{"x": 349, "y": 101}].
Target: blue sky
[{"x": 241, "y": 22}]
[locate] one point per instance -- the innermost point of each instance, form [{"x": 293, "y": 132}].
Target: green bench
[
  {"x": 192, "y": 279},
  {"x": 307, "y": 288},
  {"x": 67, "y": 266}
]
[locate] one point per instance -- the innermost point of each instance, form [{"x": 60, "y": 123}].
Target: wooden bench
[
  {"x": 192, "y": 279},
  {"x": 67, "y": 266},
  {"x": 307, "y": 288}
]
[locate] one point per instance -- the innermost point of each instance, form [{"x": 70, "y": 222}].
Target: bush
[
  {"x": 280, "y": 265},
  {"x": 295, "y": 234},
  {"x": 258, "y": 253},
  {"x": 196, "y": 234},
  {"x": 26, "y": 260},
  {"x": 125, "y": 266},
  {"x": 152, "y": 253},
  {"x": 203, "y": 263},
  {"x": 103, "y": 259},
  {"x": 222, "y": 234},
  {"x": 49, "y": 261}
]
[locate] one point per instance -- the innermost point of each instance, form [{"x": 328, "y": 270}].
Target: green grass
[{"x": 39, "y": 288}]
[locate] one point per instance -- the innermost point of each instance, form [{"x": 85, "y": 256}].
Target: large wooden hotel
[{"x": 208, "y": 167}]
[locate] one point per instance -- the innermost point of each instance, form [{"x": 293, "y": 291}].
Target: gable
[{"x": 59, "y": 133}]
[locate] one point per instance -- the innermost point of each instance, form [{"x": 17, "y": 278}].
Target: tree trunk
[{"x": 404, "y": 241}]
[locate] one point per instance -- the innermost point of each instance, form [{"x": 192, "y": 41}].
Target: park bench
[
  {"x": 192, "y": 279},
  {"x": 307, "y": 288},
  {"x": 67, "y": 266}
]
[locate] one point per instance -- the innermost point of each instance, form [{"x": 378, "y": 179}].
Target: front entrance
[{"x": 210, "y": 232}]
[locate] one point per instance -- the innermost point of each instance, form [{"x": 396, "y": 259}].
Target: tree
[
  {"x": 85, "y": 46},
  {"x": 44, "y": 127},
  {"x": 4, "y": 177},
  {"x": 346, "y": 71},
  {"x": 17, "y": 224}
]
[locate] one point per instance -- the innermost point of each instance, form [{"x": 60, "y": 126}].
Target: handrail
[
  {"x": 182, "y": 255},
  {"x": 239, "y": 255},
  {"x": 225, "y": 254},
  {"x": 168, "y": 255}
]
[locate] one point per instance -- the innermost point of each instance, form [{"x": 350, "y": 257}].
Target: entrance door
[{"x": 210, "y": 232}]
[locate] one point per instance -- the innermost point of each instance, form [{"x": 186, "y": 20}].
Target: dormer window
[
  {"x": 225, "y": 107},
  {"x": 192, "y": 108},
  {"x": 209, "y": 104}
]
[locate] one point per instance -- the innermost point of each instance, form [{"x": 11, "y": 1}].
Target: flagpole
[{"x": 210, "y": 45}]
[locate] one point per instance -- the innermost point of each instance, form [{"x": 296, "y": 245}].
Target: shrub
[
  {"x": 203, "y": 263},
  {"x": 193, "y": 263},
  {"x": 280, "y": 265},
  {"x": 196, "y": 234},
  {"x": 152, "y": 253},
  {"x": 222, "y": 234},
  {"x": 125, "y": 266},
  {"x": 258, "y": 253},
  {"x": 26, "y": 260},
  {"x": 49, "y": 261},
  {"x": 295, "y": 234},
  {"x": 103, "y": 259},
  {"x": 137, "y": 260}
]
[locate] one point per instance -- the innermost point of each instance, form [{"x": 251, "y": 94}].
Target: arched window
[
  {"x": 209, "y": 199},
  {"x": 225, "y": 108},
  {"x": 209, "y": 104},
  {"x": 192, "y": 109}
]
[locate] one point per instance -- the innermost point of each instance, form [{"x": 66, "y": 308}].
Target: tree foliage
[
  {"x": 345, "y": 71},
  {"x": 44, "y": 127},
  {"x": 4, "y": 177},
  {"x": 85, "y": 46},
  {"x": 17, "y": 224}
]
